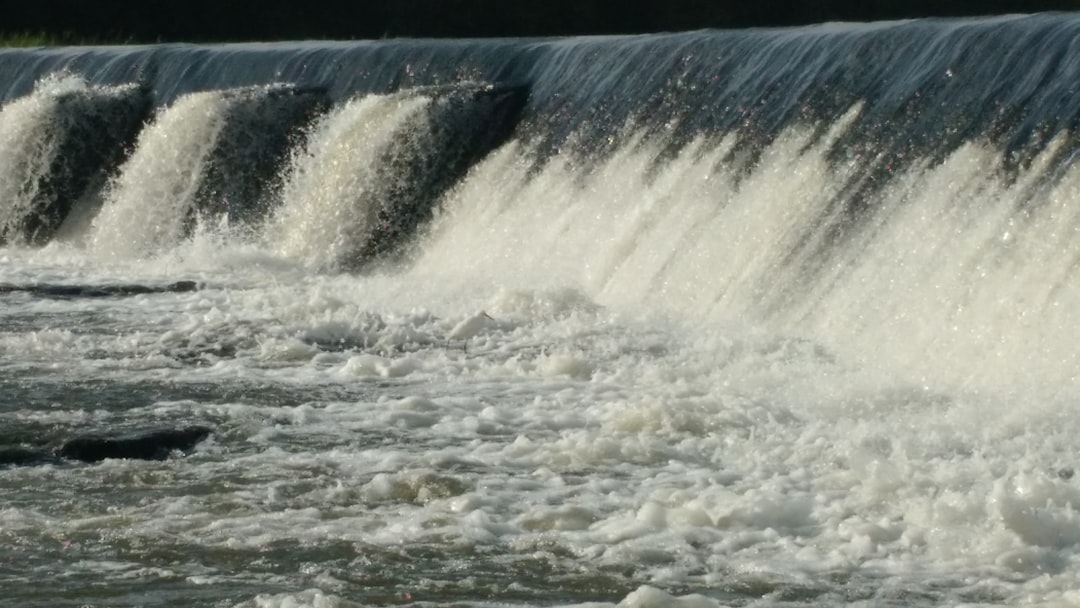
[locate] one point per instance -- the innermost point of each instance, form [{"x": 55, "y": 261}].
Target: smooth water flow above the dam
[{"x": 723, "y": 318}]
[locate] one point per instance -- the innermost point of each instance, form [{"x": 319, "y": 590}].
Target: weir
[
  {"x": 260, "y": 127},
  {"x": 783, "y": 175},
  {"x": 60, "y": 145},
  {"x": 925, "y": 87},
  {"x": 734, "y": 315},
  {"x": 215, "y": 153}
]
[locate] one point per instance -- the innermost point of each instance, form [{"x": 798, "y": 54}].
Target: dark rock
[
  {"x": 47, "y": 290},
  {"x": 148, "y": 445},
  {"x": 22, "y": 456}
]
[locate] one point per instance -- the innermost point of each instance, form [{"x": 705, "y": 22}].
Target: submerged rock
[
  {"x": 151, "y": 445},
  {"x": 47, "y": 290},
  {"x": 156, "y": 444},
  {"x": 22, "y": 456}
]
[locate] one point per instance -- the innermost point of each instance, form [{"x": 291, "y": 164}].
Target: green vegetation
[
  {"x": 42, "y": 38},
  {"x": 24, "y": 39}
]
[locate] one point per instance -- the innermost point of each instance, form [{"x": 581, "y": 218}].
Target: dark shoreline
[{"x": 131, "y": 21}]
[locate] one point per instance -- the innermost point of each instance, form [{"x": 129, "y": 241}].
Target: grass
[
  {"x": 19, "y": 39},
  {"x": 41, "y": 38}
]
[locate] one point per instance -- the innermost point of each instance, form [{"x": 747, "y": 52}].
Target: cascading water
[
  {"x": 332, "y": 195},
  {"x": 772, "y": 317},
  {"x": 27, "y": 153},
  {"x": 165, "y": 169},
  {"x": 376, "y": 167},
  {"x": 60, "y": 144},
  {"x": 207, "y": 153}
]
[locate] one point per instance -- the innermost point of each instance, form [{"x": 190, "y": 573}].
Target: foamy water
[
  {"x": 630, "y": 361},
  {"x": 592, "y": 413}
]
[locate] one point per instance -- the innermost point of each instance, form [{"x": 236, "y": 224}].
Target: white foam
[
  {"x": 626, "y": 404},
  {"x": 310, "y": 598},
  {"x": 31, "y": 130},
  {"x": 147, "y": 206},
  {"x": 331, "y": 195},
  {"x": 950, "y": 285}
]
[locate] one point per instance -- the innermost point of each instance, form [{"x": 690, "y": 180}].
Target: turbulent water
[{"x": 769, "y": 318}]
